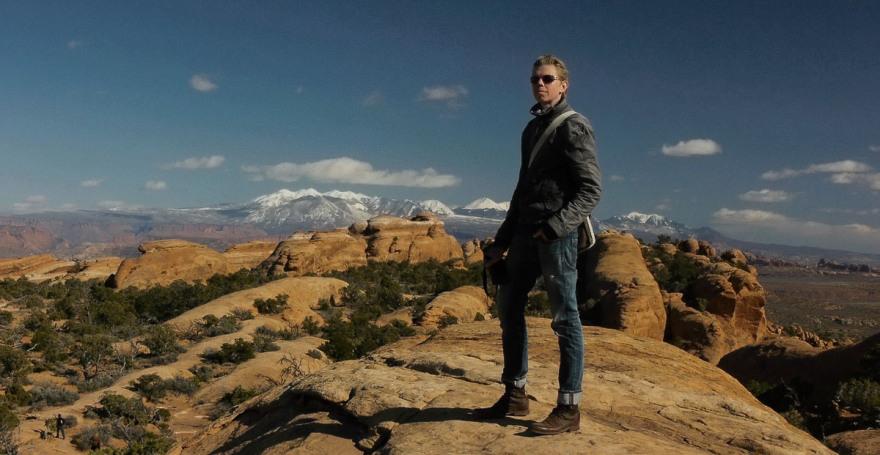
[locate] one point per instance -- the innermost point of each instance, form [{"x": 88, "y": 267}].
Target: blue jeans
[{"x": 528, "y": 258}]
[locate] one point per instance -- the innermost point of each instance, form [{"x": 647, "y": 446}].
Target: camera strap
[{"x": 550, "y": 128}]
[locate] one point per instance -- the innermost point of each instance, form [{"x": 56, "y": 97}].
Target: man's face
[{"x": 547, "y": 93}]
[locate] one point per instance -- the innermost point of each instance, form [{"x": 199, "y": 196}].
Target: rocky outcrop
[
  {"x": 644, "y": 397},
  {"x": 419, "y": 239},
  {"x": 317, "y": 252},
  {"x": 464, "y": 304},
  {"x": 35, "y": 268},
  {"x": 693, "y": 330},
  {"x": 735, "y": 298},
  {"x": 165, "y": 261},
  {"x": 794, "y": 361},
  {"x": 473, "y": 253},
  {"x": 862, "y": 442},
  {"x": 249, "y": 255},
  {"x": 383, "y": 238},
  {"x": 304, "y": 295},
  {"x": 626, "y": 295},
  {"x": 96, "y": 269}
]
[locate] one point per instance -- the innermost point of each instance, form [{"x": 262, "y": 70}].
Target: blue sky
[{"x": 761, "y": 119}]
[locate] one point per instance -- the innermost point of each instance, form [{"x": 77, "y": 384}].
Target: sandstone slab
[{"x": 165, "y": 261}]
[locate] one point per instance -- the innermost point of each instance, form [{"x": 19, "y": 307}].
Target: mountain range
[{"x": 90, "y": 233}]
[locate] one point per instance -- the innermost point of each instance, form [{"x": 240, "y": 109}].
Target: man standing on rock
[{"x": 559, "y": 186}]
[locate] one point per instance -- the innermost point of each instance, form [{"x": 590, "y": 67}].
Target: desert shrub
[
  {"x": 429, "y": 277},
  {"x": 93, "y": 437},
  {"x": 8, "y": 420},
  {"x": 5, "y": 317},
  {"x": 150, "y": 386},
  {"x": 205, "y": 372},
  {"x": 212, "y": 326},
  {"x": 311, "y": 327},
  {"x": 241, "y": 314},
  {"x": 355, "y": 338},
  {"x": 758, "y": 388},
  {"x": 263, "y": 343},
  {"x": 53, "y": 345},
  {"x": 236, "y": 352},
  {"x": 99, "y": 381},
  {"x": 859, "y": 393},
  {"x": 13, "y": 363},
  {"x": 238, "y": 395},
  {"x": 182, "y": 385},
  {"x": 16, "y": 394},
  {"x": 42, "y": 395},
  {"x": 31, "y": 302},
  {"x": 161, "y": 340},
  {"x": 271, "y": 306},
  {"x": 92, "y": 351},
  {"x": 447, "y": 320},
  {"x": 288, "y": 334}
]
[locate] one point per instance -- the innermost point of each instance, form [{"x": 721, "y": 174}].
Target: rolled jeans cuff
[
  {"x": 568, "y": 398},
  {"x": 518, "y": 383}
]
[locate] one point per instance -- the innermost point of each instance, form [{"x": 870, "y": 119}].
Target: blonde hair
[{"x": 550, "y": 59}]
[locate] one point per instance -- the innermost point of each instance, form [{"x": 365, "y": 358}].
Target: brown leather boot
[
  {"x": 514, "y": 402},
  {"x": 562, "y": 419}
]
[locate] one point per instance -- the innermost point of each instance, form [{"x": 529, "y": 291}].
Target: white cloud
[
  {"x": 34, "y": 202},
  {"x": 836, "y": 167},
  {"x": 874, "y": 148},
  {"x": 200, "y": 162},
  {"x": 73, "y": 44},
  {"x": 871, "y": 180},
  {"x": 348, "y": 170},
  {"x": 616, "y": 178},
  {"x": 375, "y": 98},
  {"x": 766, "y": 195},
  {"x": 693, "y": 147},
  {"x": 155, "y": 185},
  {"x": 91, "y": 183},
  {"x": 452, "y": 95},
  {"x": 202, "y": 83},
  {"x": 764, "y": 226},
  {"x": 860, "y": 212}
]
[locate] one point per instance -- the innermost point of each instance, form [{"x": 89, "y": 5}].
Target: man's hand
[
  {"x": 492, "y": 254},
  {"x": 543, "y": 235}
]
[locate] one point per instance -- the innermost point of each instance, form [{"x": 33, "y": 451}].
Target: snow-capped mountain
[
  {"x": 485, "y": 208},
  {"x": 312, "y": 209},
  {"x": 647, "y": 226}
]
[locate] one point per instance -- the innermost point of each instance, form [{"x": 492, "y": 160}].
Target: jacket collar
[{"x": 559, "y": 108}]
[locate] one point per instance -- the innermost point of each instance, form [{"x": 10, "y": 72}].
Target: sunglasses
[{"x": 547, "y": 79}]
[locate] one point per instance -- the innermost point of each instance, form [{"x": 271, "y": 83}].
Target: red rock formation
[{"x": 165, "y": 261}]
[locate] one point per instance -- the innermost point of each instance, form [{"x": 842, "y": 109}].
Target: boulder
[
  {"x": 627, "y": 296},
  {"x": 693, "y": 330},
  {"x": 735, "y": 257},
  {"x": 706, "y": 249},
  {"x": 316, "y": 253},
  {"x": 735, "y": 298},
  {"x": 420, "y": 239},
  {"x": 249, "y": 255},
  {"x": 165, "y": 261},
  {"x": 473, "y": 253},
  {"x": 689, "y": 246},
  {"x": 644, "y": 397},
  {"x": 404, "y": 315},
  {"x": 463, "y": 304}
]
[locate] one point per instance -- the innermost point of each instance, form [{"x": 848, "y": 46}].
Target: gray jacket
[{"x": 562, "y": 187}]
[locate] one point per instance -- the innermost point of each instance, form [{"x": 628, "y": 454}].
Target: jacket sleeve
[
  {"x": 504, "y": 236},
  {"x": 580, "y": 157}
]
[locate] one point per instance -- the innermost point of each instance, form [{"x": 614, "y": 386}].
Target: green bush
[
  {"x": 93, "y": 437},
  {"x": 238, "y": 395},
  {"x": 204, "y": 373},
  {"x": 13, "y": 363},
  {"x": 310, "y": 326},
  {"x": 5, "y": 317},
  {"x": 150, "y": 386},
  {"x": 53, "y": 345},
  {"x": 263, "y": 343},
  {"x": 42, "y": 395},
  {"x": 357, "y": 337},
  {"x": 447, "y": 320},
  {"x": 860, "y": 394},
  {"x": 288, "y": 334},
  {"x": 241, "y": 314},
  {"x": 8, "y": 420},
  {"x": 99, "y": 381},
  {"x": 236, "y": 352},
  {"x": 271, "y": 306},
  {"x": 161, "y": 340}
]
